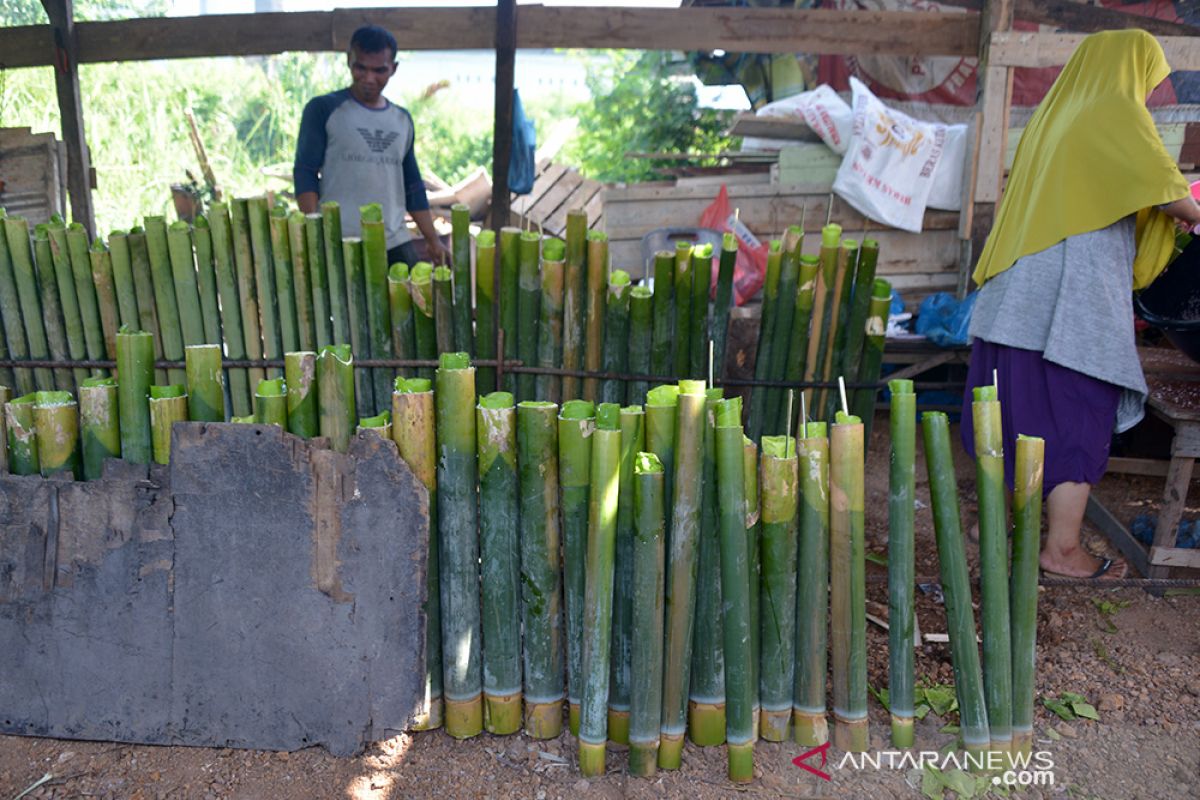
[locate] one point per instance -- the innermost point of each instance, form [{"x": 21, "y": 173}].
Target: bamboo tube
[
  {"x": 147, "y": 299},
  {"x": 206, "y": 277},
  {"x": 234, "y": 335},
  {"x": 285, "y": 284},
  {"x": 798, "y": 340},
  {"x": 52, "y": 311},
  {"x": 834, "y": 268},
  {"x": 993, "y": 566},
  {"x": 723, "y": 305},
  {"x": 379, "y": 323},
  {"x": 706, "y": 693},
  {"x": 681, "y": 560},
  {"x": 646, "y": 638},
  {"x": 460, "y": 251},
  {"x": 259, "y": 223},
  {"x": 683, "y": 310},
  {"x": 336, "y": 407},
  {"x": 443, "y": 308},
  {"x": 485, "y": 306},
  {"x": 165, "y": 302},
  {"x": 809, "y": 723},
  {"x": 783, "y": 316},
  {"x": 541, "y": 573},
  {"x": 302, "y": 283},
  {"x": 10, "y": 308},
  {"x": 698, "y": 338},
  {"x": 300, "y": 375},
  {"x": 21, "y": 435},
  {"x": 335, "y": 268},
  {"x": 135, "y": 374},
  {"x": 64, "y": 279},
  {"x": 633, "y": 441},
  {"x": 740, "y": 686},
  {"x": 168, "y": 405},
  {"x": 550, "y": 320},
  {"x": 662, "y": 405},
  {"x": 822, "y": 298},
  {"x": 247, "y": 293},
  {"x": 270, "y": 402},
  {"x": 420, "y": 281},
  {"x": 85, "y": 292},
  {"x": 100, "y": 269},
  {"x": 753, "y": 533},
  {"x": 183, "y": 276},
  {"x": 528, "y": 299},
  {"x": 360, "y": 333},
  {"x": 574, "y": 300},
  {"x": 576, "y": 422},
  {"x": 400, "y": 308},
  {"x": 205, "y": 383},
  {"x": 247, "y": 420},
  {"x": 848, "y": 585},
  {"x": 318, "y": 266},
  {"x": 901, "y": 564},
  {"x": 56, "y": 425},
  {"x": 597, "y": 282},
  {"x": 379, "y": 425},
  {"x": 956, "y": 583},
  {"x": 780, "y": 504},
  {"x": 1027, "y": 518},
  {"x": 860, "y": 306},
  {"x": 616, "y": 336},
  {"x": 5, "y": 396},
  {"x": 766, "y": 340},
  {"x": 124, "y": 282},
  {"x": 871, "y": 365},
  {"x": 17, "y": 234},
  {"x": 458, "y": 543},
  {"x": 414, "y": 434},
  {"x": 662, "y": 358},
  {"x": 603, "y": 501},
  {"x": 496, "y": 437},
  {"x": 848, "y": 266},
  {"x": 510, "y": 245},
  {"x": 641, "y": 309},
  {"x": 100, "y": 429}
]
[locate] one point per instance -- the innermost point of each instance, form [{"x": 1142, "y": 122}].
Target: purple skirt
[{"x": 1073, "y": 412}]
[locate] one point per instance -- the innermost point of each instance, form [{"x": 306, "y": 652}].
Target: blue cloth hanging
[{"x": 522, "y": 168}]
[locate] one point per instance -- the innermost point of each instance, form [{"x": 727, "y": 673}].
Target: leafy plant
[
  {"x": 939, "y": 698},
  {"x": 1069, "y": 706},
  {"x": 1107, "y": 610}
]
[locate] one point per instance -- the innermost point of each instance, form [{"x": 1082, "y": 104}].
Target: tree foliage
[{"x": 31, "y": 12}]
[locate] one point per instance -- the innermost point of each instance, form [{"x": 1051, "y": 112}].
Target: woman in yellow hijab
[{"x": 1088, "y": 215}]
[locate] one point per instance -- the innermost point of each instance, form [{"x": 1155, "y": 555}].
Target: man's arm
[
  {"x": 310, "y": 155},
  {"x": 417, "y": 203}
]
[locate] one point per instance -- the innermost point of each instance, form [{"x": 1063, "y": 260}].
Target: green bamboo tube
[
  {"x": 462, "y": 679},
  {"x": 52, "y": 310},
  {"x": 25, "y": 279},
  {"x": 993, "y": 566},
  {"x": 1027, "y": 521},
  {"x": 21, "y": 434},
  {"x": 633, "y": 441},
  {"x": 485, "y": 306},
  {"x": 706, "y": 693},
  {"x": 234, "y": 335},
  {"x": 863, "y": 404},
  {"x": 135, "y": 374},
  {"x": 56, "y": 425},
  {"x": 798, "y": 340},
  {"x": 662, "y": 405},
  {"x": 500, "y": 560},
  {"x": 723, "y": 304},
  {"x": 597, "y": 284},
  {"x": 64, "y": 280},
  {"x": 576, "y": 422},
  {"x": 698, "y": 339},
  {"x": 662, "y": 358},
  {"x": 108, "y": 307},
  {"x": 85, "y": 292},
  {"x": 165, "y": 300},
  {"x": 766, "y": 340},
  {"x": 777, "y": 592},
  {"x": 120, "y": 263},
  {"x": 379, "y": 324},
  {"x": 205, "y": 383},
  {"x": 784, "y": 316},
  {"x": 247, "y": 293},
  {"x": 443, "y": 308},
  {"x": 302, "y": 283},
  {"x": 848, "y": 267},
  {"x": 335, "y": 268},
  {"x": 400, "y": 308},
  {"x": 183, "y": 275},
  {"x": 901, "y": 564},
  {"x": 420, "y": 283},
  {"x": 5, "y": 396},
  {"x": 753, "y": 534},
  {"x": 956, "y": 582},
  {"x": 379, "y": 425},
  {"x": 285, "y": 284},
  {"x": 681, "y": 560},
  {"x": 834, "y": 282},
  {"x": 360, "y": 333},
  {"x": 603, "y": 499},
  {"x": 848, "y": 585},
  {"x": 100, "y": 428},
  {"x": 10, "y": 307},
  {"x": 641, "y": 310},
  {"x": 510, "y": 246},
  {"x": 259, "y": 223},
  {"x": 168, "y": 405},
  {"x": 147, "y": 298},
  {"x": 541, "y": 573},
  {"x": 683, "y": 310},
  {"x": 460, "y": 252},
  {"x": 318, "y": 267},
  {"x": 740, "y": 674},
  {"x": 574, "y": 301},
  {"x": 528, "y": 298},
  {"x": 206, "y": 277},
  {"x": 830, "y": 237},
  {"x": 646, "y": 624},
  {"x": 270, "y": 402},
  {"x": 809, "y": 723},
  {"x": 550, "y": 320},
  {"x": 247, "y": 420},
  {"x": 300, "y": 376},
  {"x": 336, "y": 407},
  {"x": 860, "y": 306},
  {"x": 616, "y": 336},
  {"x": 414, "y": 433}
]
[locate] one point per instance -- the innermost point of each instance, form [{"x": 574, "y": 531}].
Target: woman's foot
[{"x": 1078, "y": 563}]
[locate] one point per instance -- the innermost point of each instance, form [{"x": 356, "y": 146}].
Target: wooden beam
[
  {"x": 1085, "y": 18},
  {"x": 506, "y": 38},
  {"x": 1028, "y": 49},
  {"x": 66, "y": 84}
]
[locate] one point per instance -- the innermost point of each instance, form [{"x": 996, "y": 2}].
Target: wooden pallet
[
  {"x": 33, "y": 175},
  {"x": 556, "y": 190}
]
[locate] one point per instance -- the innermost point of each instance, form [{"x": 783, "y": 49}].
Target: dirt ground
[{"x": 1138, "y": 664}]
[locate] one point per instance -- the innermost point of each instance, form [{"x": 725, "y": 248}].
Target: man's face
[{"x": 369, "y": 73}]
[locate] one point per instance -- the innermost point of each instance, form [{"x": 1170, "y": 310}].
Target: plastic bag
[
  {"x": 822, "y": 110},
  {"x": 946, "y": 193},
  {"x": 751, "y": 268},
  {"x": 522, "y": 169},
  {"x": 944, "y": 320}
]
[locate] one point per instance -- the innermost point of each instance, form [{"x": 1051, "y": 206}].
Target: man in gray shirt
[{"x": 355, "y": 147}]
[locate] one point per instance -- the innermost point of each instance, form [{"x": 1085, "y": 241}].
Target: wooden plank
[
  {"x": 1179, "y": 475},
  {"x": 541, "y": 185},
  {"x": 1030, "y": 49},
  {"x": 750, "y": 124},
  {"x": 1087, "y": 18},
  {"x": 549, "y": 202},
  {"x": 1153, "y": 467},
  {"x": 1118, "y": 534},
  {"x": 70, "y": 109},
  {"x": 993, "y": 137},
  {"x": 556, "y": 223},
  {"x": 1163, "y": 557}
]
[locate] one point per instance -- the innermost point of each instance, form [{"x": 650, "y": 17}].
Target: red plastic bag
[{"x": 751, "y": 269}]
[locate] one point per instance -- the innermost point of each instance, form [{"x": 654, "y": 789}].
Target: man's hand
[{"x": 439, "y": 255}]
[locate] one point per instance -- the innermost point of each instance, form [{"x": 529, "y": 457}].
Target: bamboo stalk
[
  {"x": 616, "y": 336},
  {"x": 143, "y": 284},
  {"x": 135, "y": 374},
  {"x": 285, "y": 284},
  {"x": 662, "y": 407},
  {"x": 646, "y": 636},
  {"x": 510, "y": 245},
  {"x": 56, "y": 425},
  {"x": 108, "y": 306},
  {"x": 528, "y": 299},
  {"x": 597, "y": 283},
  {"x": 168, "y": 405},
  {"x": 848, "y": 266},
  {"x": 683, "y": 310},
  {"x": 259, "y": 223},
  {"x": 166, "y": 305},
  {"x": 753, "y": 534},
  {"x": 270, "y": 402},
  {"x": 303, "y": 284},
  {"x": 633, "y": 441},
  {"x": 809, "y": 722},
  {"x": 1027, "y": 519},
  {"x": 783, "y": 317},
  {"x": 52, "y": 311},
  {"x": 420, "y": 281},
  {"x": 300, "y": 376},
  {"x": 485, "y": 306},
  {"x": 183, "y": 275},
  {"x": 234, "y": 335},
  {"x": 10, "y": 307},
  {"x": 443, "y": 308},
  {"x": 822, "y": 298},
  {"x": 848, "y": 585},
  {"x": 698, "y": 339},
  {"x": 458, "y": 543},
  {"x": 379, "y": 323},
  {"x": 798, "y": 340},
  {"x": 360, "y": 333},
  {"x": 206, "y": 277},
  {"x": 723, "y": 305},
  {"x": 247, "y": 293},
  {"x": 100, "y": 429},
  {"x": 550, "y": 320},
  {"x": 318, "y": 266},
  {"x": 335, "y": 267},
  {"x": 413, "y": 430},
  {"x": 576, "y": 422},
  {"x": 901, "y": 564},
  {"x": 574, "y": 305},
  {"x": 864, "y": 284},
  {"x": 541, "y": 573},
  {"x": 780, "y": 504},
  {"x": 21, "y": 432},
  {"x": 956, "y": 582},
  {"x": 85, "y": 292},
  {"x": 400, "y": 307},
  {"x": 834, "y": 268},
  {"x": 662, "y": 358},
  {"x": 336, "y": 406},
  {"x": 5, "y": 396},
  {"x": 25, "y": 279},
  {"x": 64, "y": 278},
  {"x": 123, "y": 279},
  {"x": 379, "y": 425},
  {"x": 872, "y": 358},
  {"x": 641, "y": 310},
  {"x": 766, "y": 340},
  {"x": 205, "y": 383},
  {"x": 460, "y": 251}
]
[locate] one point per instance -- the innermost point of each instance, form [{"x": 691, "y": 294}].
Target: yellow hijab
[{"x": 1089, "y": 157}]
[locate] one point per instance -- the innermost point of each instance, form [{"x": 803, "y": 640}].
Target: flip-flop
[{"x": 1105, "y": 565}]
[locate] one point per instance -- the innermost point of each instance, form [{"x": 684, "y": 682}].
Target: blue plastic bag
[
  {"x": 944, "y": 320},
  {"x": 523, "y": 167}
]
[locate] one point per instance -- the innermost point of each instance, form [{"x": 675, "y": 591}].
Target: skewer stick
[
  {"x": 996, "y": 381},
  {"x": 787, "y": 430},
  {"x": 803, "y": 418},
  {"x": 829, "y": 209},
  {"x": 842, "y": 389},
  {"x": 710, "y": 363}
]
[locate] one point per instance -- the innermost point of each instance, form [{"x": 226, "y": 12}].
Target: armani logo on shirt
[{"x": 379, "y": 140}]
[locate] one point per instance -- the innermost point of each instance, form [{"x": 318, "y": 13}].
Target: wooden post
[
  {"x": 506, "y": 41},
  {"x": 66, "y": 81}
]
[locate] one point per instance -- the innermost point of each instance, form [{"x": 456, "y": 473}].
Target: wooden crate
[{"x": 34, "y": 175}]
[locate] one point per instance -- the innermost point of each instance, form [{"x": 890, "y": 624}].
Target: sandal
[{"x": 1105, "y": 566}]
